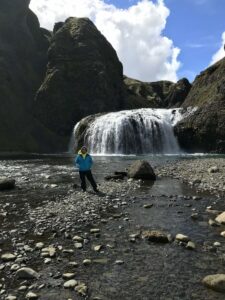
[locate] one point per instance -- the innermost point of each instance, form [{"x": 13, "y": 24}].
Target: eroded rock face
[
  {"x": 160, "y": 94},
  {"x": 84, "y": 77},
  {"x": 23, "y": 58},
  {"x": 204, "y": 130}
]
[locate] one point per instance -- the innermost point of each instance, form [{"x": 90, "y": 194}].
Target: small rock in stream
[
  {"x": 215, "y": 282},
  {"x": 26, "y": 273}
]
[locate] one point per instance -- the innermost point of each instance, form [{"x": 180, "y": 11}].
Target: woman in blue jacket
[{"x": 84, "y": 162}]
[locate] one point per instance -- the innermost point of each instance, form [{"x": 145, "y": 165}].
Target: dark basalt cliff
[
  {"x": 23, "y": 58},
  {"x": 204, "y": 130},
  {"x": 84, "y": 77}
]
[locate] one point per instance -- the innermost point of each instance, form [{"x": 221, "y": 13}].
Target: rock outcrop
[
  {"x": 160, "y": 94},
  {"x": 204, "y": 130},
  {"x": 23, "y": 58},
  {"x": 84, "y": 77}
]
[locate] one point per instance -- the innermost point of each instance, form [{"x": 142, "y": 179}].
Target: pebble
[
  {"x": 77, "y": 238},
  {"x": 222, "y": 233},
  {"x": 31, "y": 295},
  {"x": 68, "y": 276},
  {"x": 39, "y": 246},
  {"x": 217, "y": 244},
  {"x": 182, "y": 238},
  {"x": 70, "y": 284},
  {"x": 78, "y": 245},
  {"x": 81, "y": 289},
  {"x": 8, "y": 257},
  {"x": 98, "y": 248},
  {"x": 221, "y": 218},
  {"x": 10, "y": 297},
  {"x": 148, "y": 206},
  {"x": 87, "y": 262},
  {"x": 191, "y": 245},
  {"x": 119, "y": 262},
  {"x": 215, "y": 282},
  {"x": 213, "y": 223}
]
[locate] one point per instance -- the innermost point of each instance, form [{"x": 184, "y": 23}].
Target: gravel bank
[{"x": 205, "y": 174}]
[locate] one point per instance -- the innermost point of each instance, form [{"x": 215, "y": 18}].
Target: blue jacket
[{"x": 84, "y": 164}]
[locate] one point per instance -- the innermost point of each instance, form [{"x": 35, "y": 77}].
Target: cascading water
[{"x": 140, "y": 131}]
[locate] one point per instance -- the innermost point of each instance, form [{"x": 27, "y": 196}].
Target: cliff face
[
  {"x": 84, "y": 77},
  {"x": 161, "y": 94},
  {"x": 23, "y": 58},
  {"x": 204, "y": 130}
]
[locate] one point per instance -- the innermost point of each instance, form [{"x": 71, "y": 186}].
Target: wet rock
[
  {"x": 81, "y": 289},
  {"x": 222, "y": 233},
  {"x": 215, "y": 282},
  {"x": 7, "y": 183},
  {"x": 70, "y": 284},
  {"x": 26, "y": 273},
  {"x": 8, "y": 257},
  {"x": 155, "y": 236},
  {"x": 191, "y": 245},
  {"x": 31, "y": 295},
  {"x": 141, "y": 169},
  {"x": 182, "y": 238},
  {"x": 221, "y": 218}
]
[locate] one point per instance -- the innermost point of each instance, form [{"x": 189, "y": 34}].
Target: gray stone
[
  {"x": 6, "y": 183},
  {"x": 215, "y": 282},
  {"x": 70, "y": 284},
  {"x": 221, "y": 218},
  {"x": 141, "y": 169},
  {"x": 155, "y": 236},
  {"x": 27, "y": 273}
]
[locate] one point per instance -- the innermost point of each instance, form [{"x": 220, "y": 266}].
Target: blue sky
[{"x": 195, "y": 26}]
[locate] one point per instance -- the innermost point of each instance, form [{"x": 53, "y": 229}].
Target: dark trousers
[{"x": 89, "y": 176}]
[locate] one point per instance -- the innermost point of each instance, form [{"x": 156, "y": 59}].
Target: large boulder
[
  {"x": 84, "y": 77},
  {"x": 160, "y": 94},
  {"x": 23, "y": 59},
  {"x": 141, "y": 169},
  {"x": 6, "y": 183},
  {"x": 204, "y": 129}
]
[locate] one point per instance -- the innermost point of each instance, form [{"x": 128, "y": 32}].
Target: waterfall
[{"x": 139, "y": 131}]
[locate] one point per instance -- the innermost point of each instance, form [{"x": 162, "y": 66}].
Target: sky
[{"x": 154, "y": 39}]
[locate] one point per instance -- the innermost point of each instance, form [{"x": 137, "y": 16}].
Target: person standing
[{"x": 84, "y": 162}]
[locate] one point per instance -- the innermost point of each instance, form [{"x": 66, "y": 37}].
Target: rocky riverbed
[
  {"x": 205, "y": 174},
  {"x": 134, "y": 240}
]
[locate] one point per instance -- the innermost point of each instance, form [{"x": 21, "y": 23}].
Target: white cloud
[
  {"x": 220, "y": 53},
  {"x": 135, "y": 33}
]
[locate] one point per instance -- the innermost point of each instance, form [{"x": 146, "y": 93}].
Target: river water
[{"x": 150, "y": 271}]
